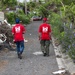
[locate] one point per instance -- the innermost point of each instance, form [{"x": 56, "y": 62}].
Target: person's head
[
  {"x": 45, "y": 20},
  {"x": 17, "y": 21}
]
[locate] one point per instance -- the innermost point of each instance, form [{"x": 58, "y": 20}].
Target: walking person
[
  {"x": 45, "y": 36},
  {"x": 18, "y": 31}
]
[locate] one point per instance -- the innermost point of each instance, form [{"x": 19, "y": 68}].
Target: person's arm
[
  {"x": 13, "y": 31},
  {"x": 39, "y": 33},
  {"x": 24, "y": 30},
  {"x": 39, "y": 36},
  {"x": 50, "y": 31}
]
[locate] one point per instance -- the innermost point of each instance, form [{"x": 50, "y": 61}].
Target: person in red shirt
[
  {"x": 18, "y": 30},
  {"x": 45, "y": 36}
]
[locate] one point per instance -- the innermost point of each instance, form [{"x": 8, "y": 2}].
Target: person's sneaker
[
  {"x": 44, "y": 54},
  {"x": 19, "y": 56}
]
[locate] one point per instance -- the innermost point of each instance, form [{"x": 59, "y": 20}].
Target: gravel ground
[{"x": 30, "y": 64}]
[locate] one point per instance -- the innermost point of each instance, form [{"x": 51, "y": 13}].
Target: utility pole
[
  {"x": 26, "y": 7},
  {"x": 18, "y": 2}
]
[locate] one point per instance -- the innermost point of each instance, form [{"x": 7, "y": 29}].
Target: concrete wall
[{"x": 1, "y": 16}]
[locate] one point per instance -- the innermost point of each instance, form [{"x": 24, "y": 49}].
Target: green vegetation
[
  {"x": 61, "y": 16},
  {"x": 12, "y": 16}
]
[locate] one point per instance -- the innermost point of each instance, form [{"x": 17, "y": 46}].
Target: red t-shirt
[
  {"x": 18, "y": 30},
  {"x": 45, "y": 30}
]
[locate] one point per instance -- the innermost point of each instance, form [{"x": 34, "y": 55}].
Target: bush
[
  {"x": 25, "y": 19},
  {"x": 10, "y": 17},
  {"x": 20, "y": 14},
  {"x": 56, "y": 24}
]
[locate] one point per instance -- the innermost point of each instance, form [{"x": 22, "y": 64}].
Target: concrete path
[{"x": 31, "y": 64}]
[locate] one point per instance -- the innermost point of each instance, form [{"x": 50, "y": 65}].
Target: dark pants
[
  {"x": 45, "y": 46},
  {"x": 20, "y": 46}
]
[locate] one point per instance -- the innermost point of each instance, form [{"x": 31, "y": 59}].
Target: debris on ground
[
  {"x": 61, "y": 72},
  {"x": 6, "y": 37}
]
